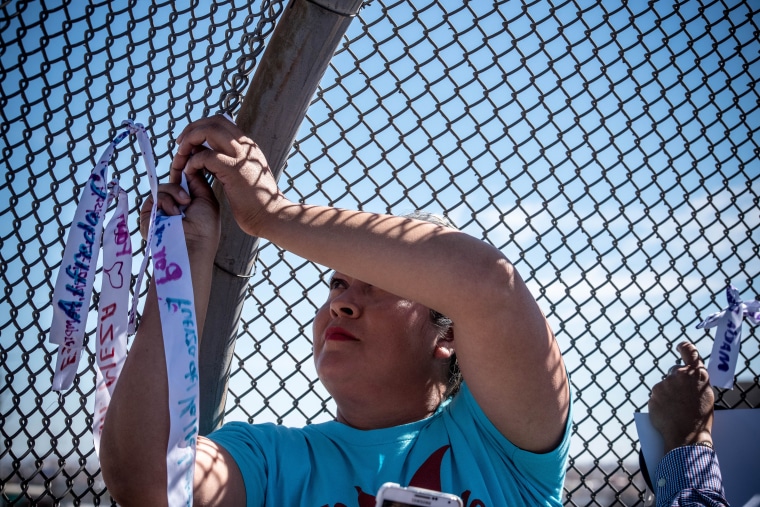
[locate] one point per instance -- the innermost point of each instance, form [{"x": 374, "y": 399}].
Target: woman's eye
[{"x": 337, "y": 283}]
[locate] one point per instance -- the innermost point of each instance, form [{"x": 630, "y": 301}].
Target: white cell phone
[{"x": 393, "y": 495}]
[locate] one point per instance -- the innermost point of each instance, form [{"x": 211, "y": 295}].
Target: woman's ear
[{"x": 444, "y": 346}]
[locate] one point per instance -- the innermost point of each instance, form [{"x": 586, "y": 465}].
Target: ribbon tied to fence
[
  {"x": 725, "y": 352},
  {"x": 71, "y": 300}
]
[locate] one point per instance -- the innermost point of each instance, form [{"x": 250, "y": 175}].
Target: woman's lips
[{"x": 338, "y": 334}]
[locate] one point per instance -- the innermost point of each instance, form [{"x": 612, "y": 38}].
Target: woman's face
[{"x": 368, "y": 341}]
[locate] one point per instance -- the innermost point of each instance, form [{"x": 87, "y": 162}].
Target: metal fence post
[{"x": 275, "y": 104}]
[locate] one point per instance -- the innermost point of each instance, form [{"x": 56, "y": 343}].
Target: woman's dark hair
[{"x": 445, "y": 326}]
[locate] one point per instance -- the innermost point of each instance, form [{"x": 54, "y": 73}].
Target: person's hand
[
  {"x": 236, "y": 161},
  {"x": 201, "y": 223},
  {"x": 681, "y": 405}
]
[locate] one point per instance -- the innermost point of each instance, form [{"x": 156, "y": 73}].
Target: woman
[{"x": 502, "y": 440}]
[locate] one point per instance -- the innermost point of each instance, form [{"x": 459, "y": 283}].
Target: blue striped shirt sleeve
[{"x": 689, "y": 476}]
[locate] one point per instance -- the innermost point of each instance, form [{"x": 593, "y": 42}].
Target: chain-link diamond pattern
[{"x": 609, "y": 149}]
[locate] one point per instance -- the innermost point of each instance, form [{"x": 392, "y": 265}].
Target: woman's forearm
[
  {"x": 136, "y": 430},
  {"x": 434, "y": 265}
]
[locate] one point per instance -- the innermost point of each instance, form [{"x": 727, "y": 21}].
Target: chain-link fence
[{"x": 608, "y": 148}]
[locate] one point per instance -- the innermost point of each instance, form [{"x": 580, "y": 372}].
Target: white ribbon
[
  {"x": 171, "y": 268},
  {"x": 71, "y": 299},
  {"x": 150, "y": 169},
  {"x": 73, "y": 288},
  {"x": 725, "y": 352},
  {"x": 111, "y": 344}
]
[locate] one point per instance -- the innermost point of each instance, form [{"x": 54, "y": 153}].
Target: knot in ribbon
[{"x": 725, "y": 352}]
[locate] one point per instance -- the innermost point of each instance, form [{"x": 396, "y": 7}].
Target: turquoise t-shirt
[{"x": 457, "y": 450}]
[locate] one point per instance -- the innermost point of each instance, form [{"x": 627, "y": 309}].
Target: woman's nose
[{"x": 345, "y": 305}]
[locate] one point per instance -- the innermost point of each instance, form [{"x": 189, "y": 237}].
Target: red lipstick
[{"x": 338, "y": 334}]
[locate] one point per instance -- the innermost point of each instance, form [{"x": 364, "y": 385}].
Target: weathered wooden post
[{"x": 299, "y": 51}]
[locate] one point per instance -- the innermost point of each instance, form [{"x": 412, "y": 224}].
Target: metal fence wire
[{"x": 609, "y": 148}]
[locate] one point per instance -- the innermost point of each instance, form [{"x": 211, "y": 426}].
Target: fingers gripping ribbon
[
  {"x": 725, "y": 352},
  {"x": 71, "y": 301}
]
